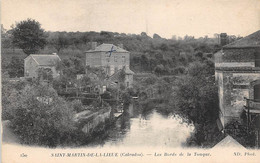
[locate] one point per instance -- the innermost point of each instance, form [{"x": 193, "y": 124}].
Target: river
[{"x": 138, "y": 127}]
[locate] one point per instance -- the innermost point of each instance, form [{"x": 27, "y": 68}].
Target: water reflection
[{"x": 137, "y": 127}]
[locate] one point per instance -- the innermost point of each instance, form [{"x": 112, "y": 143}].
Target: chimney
[
  {"x": 121, "y": 46},
  {"x": 223, "y": 39},
  {"x": 93, "y": 45}
]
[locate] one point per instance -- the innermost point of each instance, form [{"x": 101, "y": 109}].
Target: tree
[
  {"x": 40, "y": 123},
  {"x": 10, "y": 98},
  {"x": 159, "y": 69},
  {"x": 144, "y": 62},
  {"x": 196, "y": 97},
  {"x": 29, "y": 36},
  {"x": 156, "y": 36},
  {"x": 45, "y": 74},
  {"x": 16, "y": 67},
  {"x": 69, "y": 69},
  {"x": 59, "y": 41},
  {"x": 143, "y": 34}
]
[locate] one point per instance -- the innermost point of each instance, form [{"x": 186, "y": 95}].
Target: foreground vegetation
[{"x": 193, "y": 96}]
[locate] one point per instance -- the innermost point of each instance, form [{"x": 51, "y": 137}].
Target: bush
[
  {"x": 43, "y": 118},
  {"x": 77, "y": 106}
]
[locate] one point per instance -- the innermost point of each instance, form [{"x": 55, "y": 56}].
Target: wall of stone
[
  {"x": 129, "y": 79},
  {"x": 235, "y": 69},
  {"x": 236, "y": 86},
  {"x": 116, "y": 59},
  {"x": 98, "y": 117},
  {"x": 110, "y": 64},
  {"x": 219, "y": 81},
  {"x": 93, "y": 59},
  {"x": 235, "y": 64}
]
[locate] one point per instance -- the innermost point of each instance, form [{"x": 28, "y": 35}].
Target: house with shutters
[
  {"x": 237, "y": 73},
  {"x": 34, "y": 62},
  {"x": 112, "y": 59}
]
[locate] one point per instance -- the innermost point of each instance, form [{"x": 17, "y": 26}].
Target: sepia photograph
[{"x": 130, "y": 81}]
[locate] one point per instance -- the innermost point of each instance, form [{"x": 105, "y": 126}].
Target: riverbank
[
  {"x": 139, "y": 127},
  {"x": 205, "y": 135}
]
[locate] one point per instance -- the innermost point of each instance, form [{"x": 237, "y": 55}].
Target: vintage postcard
[{"x": 130, "y": 81}]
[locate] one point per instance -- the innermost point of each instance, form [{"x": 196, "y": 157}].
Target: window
[
  {"x": 123, "y": 59},
  {"x": 112, "y": 70},
  {"x": 257, "y": 60},
  {"x": 257, "y": 92},
  {"x": 88, "y": 89},
  {"x": 115, "y": 58}
]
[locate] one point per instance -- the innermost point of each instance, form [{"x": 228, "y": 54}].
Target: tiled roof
[
  {"x": 108, "y": 47},
  {"x": 248, "y": 41},
  {"x": 117, "y": 75},
  {"x": 45, "y": 59}
]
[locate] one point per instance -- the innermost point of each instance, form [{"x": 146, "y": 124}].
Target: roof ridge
[
  {"x": 107, "y": 47},
  {"x": 45, "y": 59},
  {"x": 44, "y": 54}
]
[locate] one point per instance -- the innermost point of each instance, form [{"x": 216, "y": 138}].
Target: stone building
[
  {"x": 34, "y": 62},
  {"x": 112, "y": 59},
  {"x": 117, "y": 77},
  {"x": 237, "y": 73}
]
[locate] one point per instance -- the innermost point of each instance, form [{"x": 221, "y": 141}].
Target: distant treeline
[{"x": 148, "y": 54}]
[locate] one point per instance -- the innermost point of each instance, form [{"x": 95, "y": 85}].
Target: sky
[{"x": 165, "y": 17}]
